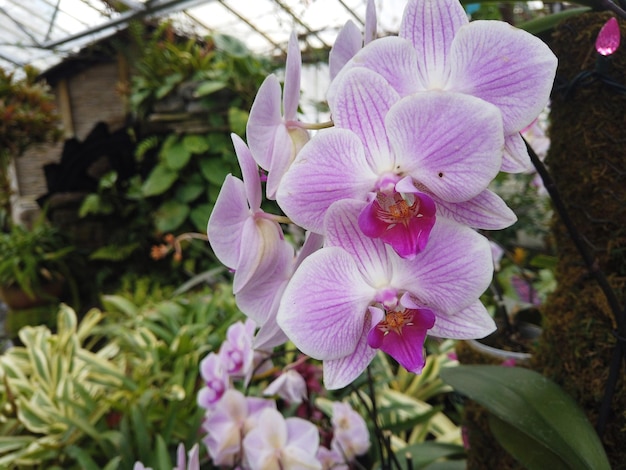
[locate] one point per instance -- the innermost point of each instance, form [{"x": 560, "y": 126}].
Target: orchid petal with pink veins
[
  {"x": 505, "y": 66},
  {"x": 486, "y": 211},
  {"x": 362, "y": 101},
  {"x": 451, "y": 273},
  {"x": 450, "y": 143},
  {"x": 293, "y": 66},
  {"x": 339, "y": 373},
  {"x": 515, "y": 158},
  {"x": 227, "y": 220},
  {"x": 274, "y": 136},
  {"x": 322, "y": 308},
  {"x": 371, "y": 255},
  {"x": 326, "y": 308},
  {"x": 431, "y": 26},
  {"x": 265, "y": 117},
  {"x": 260, "y": 298},
  {"x": 262, "y": 248},
  {"x": 349, "y": 41},
  {"x": 249, "y": 172},
  {"x": 369, "y": 33},
  {"x": 391, "y": 57},
  {"x": 331, "y": 167},
  {"x": 470, "y": 323}
]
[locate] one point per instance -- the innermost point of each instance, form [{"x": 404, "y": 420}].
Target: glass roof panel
[{"x": 43, "y": 32}]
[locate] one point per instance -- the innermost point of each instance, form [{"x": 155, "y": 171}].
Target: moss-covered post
[{"x": 587, "y": 161}]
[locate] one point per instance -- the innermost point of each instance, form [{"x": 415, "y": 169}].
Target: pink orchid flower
[
  {"x": 325, "y": 309},
  {"x": 216, "y": 380},
  {"x": 351, "y": 437},
  {"x": 276, "y": 442},
  {"x": 227, "y": 424},
  {"x": 401, "y": 158},
  {"x": 243, "y": 236},
  {"x": 437, "y": 48}
]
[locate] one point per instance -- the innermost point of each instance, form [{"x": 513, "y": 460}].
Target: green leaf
[
  {"x": 114, "y": 252},
  {"x": 195, "y": 143},
  {"x": 200, "y": 216},
  {"x": 425, "y": 453},
  {"x": 214, "y": 170},
  {"x": 175, "y": 156},
  {"x": 231, "y": 45},
  {"x": 537, "y": 408},
  {"x": 237, "y": 120},
  {"x": 94, "y": 204},
  {"x": 209, "y": 87},
  {"x": 189, "y": 192},
  {"x": 546, "y": 23},
  {"x": 117, "y": 303},
  {"x": 159, "y": 180},
  {"x": 170, "y": 215},
  {"x": 526, "y": 450},
  {"x": 170, "y": 82},
  {"x": 162, "y": 457}
]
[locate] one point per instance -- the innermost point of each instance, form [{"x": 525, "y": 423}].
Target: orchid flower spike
[{"x": 274, "y": 135}]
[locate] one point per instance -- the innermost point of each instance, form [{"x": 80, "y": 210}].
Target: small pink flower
[
  {"x": 351, "y": 437},
  {"x": 216, "y": 381},
  {"x": 609, "y": 37},
  {"x": 290, "y": 386},
  {"x": 236, "y": 352},
  {"x": 190, "y": 461},
  {"x": 276, "y": 442},
  {"x": 228, "y": 423}
]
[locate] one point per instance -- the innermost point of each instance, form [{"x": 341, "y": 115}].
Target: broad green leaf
[
  {"x": 214, "y": 170},
  {"x": 9, "y": 443},
  {"x": 536, "y": 407},
  {"x": 231, "y": 45},
  {"x": 114, "y": 252},
  {"x": 93, "y": 204},
  {"x": 159, "y": 180},
  {"x": 529, "y": 452},
  {"x": 170, "y": 215},
  {"x": 546, "y": 23},
  {"x": 117, "y": 303},
  {"x": 200, "y": 216},
  {"x": 170, "y": 82},
  {"x": 175, "y": 156},
  {"x": 195, "y": 143},
  {"x": 206, "y": 88},
  {"x": 162, "y": 458},
  {"x": 237, "y": 120},
  {"x": 189, "y": 192},
  {"x": 425, "y": 453}
]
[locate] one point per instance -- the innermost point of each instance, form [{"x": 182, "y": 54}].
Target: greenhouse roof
[{"x": 42, "y": 32}]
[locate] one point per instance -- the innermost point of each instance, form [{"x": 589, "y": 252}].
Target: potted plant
[{"x": 34, "y": 270}]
